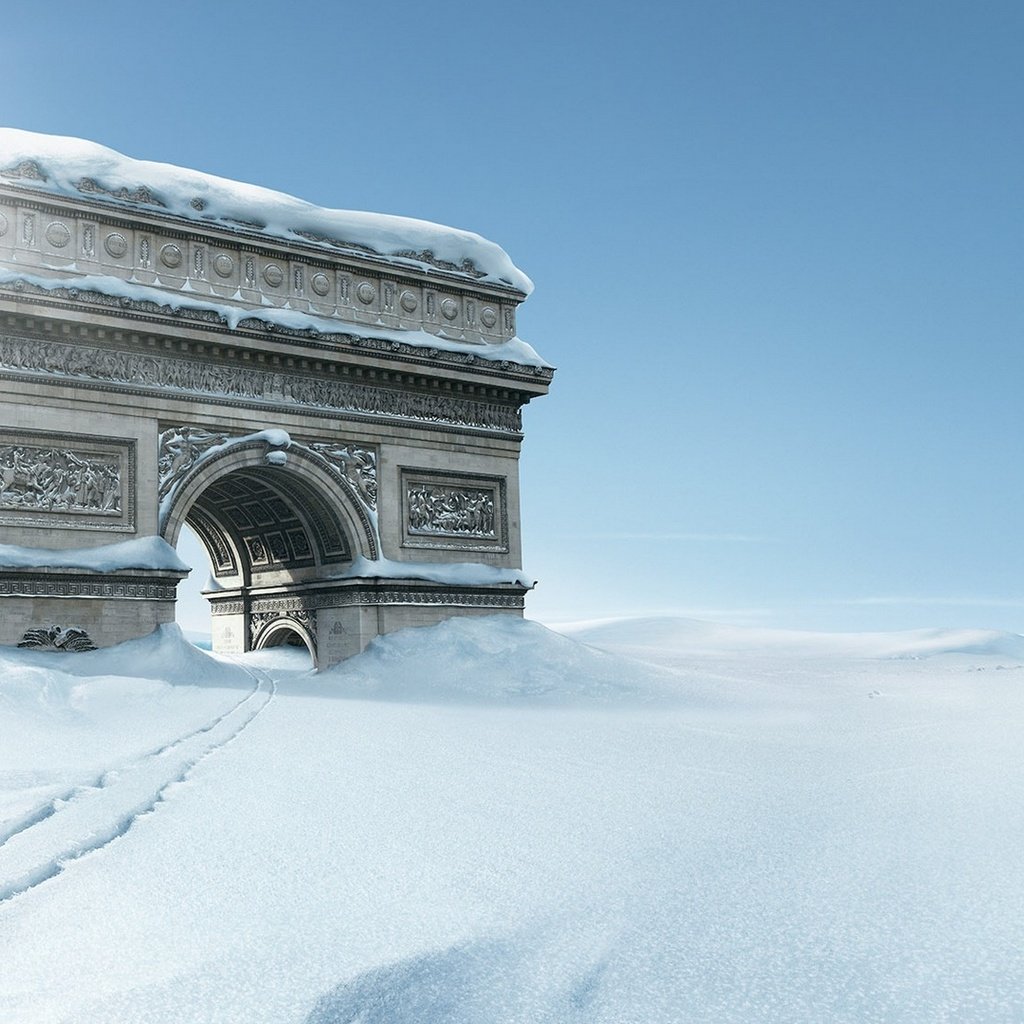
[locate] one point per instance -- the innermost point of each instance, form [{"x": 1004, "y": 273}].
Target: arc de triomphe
[{"x": 331, "y": 401}]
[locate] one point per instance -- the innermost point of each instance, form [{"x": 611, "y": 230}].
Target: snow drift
[{"x": 486, "y": 823}]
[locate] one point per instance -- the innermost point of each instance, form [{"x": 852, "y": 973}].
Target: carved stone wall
[
  {"x": 449, "y": 511},
  {"x": 243, "y": 266},
  {"x": 138, "y": 373},
  {"x": 195, "y": 345},
  {"x": 53, "y": 480}
]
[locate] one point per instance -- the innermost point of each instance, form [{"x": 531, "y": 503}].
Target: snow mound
[
  {"x": 76, "y": 167},
  {"x": 164, "y": 654},
  {"x": 531, "y": 977},
  {"x": 495, "y": 659},
  {"x": 699, "y": 638}
]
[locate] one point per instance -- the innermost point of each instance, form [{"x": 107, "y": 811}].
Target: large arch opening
[
  {"x": 259, "y": 524},
  {"x": 272, "y": 528}
]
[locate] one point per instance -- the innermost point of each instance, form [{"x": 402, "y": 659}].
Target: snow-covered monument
[{"x": 331, "y": 400}]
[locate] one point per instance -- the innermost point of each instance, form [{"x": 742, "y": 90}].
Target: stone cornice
[
  {"x": 166, "y": 318},
  {"x": 248, "y": 269},
  {"x": 146, "y": 370},
  {"x": 324, "y": 360},
  {"x": 122, "y": 584},
  {"x": 318, "y": 247}
]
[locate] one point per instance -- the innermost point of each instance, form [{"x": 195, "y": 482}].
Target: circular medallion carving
[
  {"x": 273, "y": 274},
  {"x": 488, "y": 317},
  {"x": 366, "y": 293},
  {"x": 449, "y": 309},
  {"x": 170, "y": 255},
  {"x": 116, "y": 244},
  {"x": 57, "y": 234},
  {"x": 223, "y": 264},
  {"x": 320, "y": 283},
  {"x": 409, "y": 302},
  {"x": 3, "y": 225}
]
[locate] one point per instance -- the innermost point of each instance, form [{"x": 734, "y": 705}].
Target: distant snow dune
[
  {"x": 488, "y": 822},
  {"x": 693, "y": 636}
]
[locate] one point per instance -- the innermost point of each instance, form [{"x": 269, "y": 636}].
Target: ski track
[{"x": 86, "y": 818}]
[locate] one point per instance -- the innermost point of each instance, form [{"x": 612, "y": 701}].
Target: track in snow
[{"x": 42, "y": 842}]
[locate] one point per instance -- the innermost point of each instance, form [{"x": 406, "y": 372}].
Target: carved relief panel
[
  {"x": 66, "y": 480},
  {"x": 451, "y": 511}
]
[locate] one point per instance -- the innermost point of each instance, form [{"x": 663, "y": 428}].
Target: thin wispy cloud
[
  {"x": 725, "y": 538},
  {"x": 889, "y": 600}
]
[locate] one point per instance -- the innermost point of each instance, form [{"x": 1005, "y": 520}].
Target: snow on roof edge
[
  {"x": 77, "y": 167},
  {"x": 141, "y": 553}
]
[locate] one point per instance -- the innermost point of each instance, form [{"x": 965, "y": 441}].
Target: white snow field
[{"x": 486, "y": 821}]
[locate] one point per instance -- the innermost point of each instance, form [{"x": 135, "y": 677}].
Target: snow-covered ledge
[{"x": 110, "y": 593}]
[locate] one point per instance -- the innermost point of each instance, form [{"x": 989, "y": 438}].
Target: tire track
[
  {"x": 95, "y": 817},
  {"x": 52, "y": 805}
]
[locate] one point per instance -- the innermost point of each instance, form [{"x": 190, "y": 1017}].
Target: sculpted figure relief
[
  {"x": 52, "y": 479},
  {"x": 357, "y": 465},
  {"x": 465, "y": 512},
  {"x": 180, "y": 449},
  {"x": 134, "y": 369}
]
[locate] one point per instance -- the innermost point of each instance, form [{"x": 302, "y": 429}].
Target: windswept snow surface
[{"x": 486, "y": 822}]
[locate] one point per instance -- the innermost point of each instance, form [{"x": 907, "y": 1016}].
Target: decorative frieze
[
  {"x": 42, "y": 584},
  {"x": 139, "y": 372},
  {"x": 272, "y": 272},
  {"x": 359, "y": 594},
  {"x": 220, "y": 607}
]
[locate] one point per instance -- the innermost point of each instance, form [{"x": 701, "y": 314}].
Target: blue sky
[{"x": 777, "y": 248}]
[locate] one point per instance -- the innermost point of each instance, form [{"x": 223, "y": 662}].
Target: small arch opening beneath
[
  {"x": 289, "y": 641},
  {"x": 285, "y": 638}
]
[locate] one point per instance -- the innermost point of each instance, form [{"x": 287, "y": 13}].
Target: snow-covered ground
[{"x": 486, "y": 821}]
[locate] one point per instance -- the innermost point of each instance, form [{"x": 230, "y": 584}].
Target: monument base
[
  {"x": 108, "y": 607},
  {"x": 337, "y": 619}
]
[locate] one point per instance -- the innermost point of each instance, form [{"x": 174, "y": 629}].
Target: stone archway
[
  {"x": 286, "y": 631},
  {"x": 145, "y": 346},
  {"x": 327, "y": 491},
  {"x": 278, "y": 519}
]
